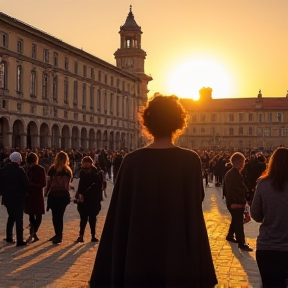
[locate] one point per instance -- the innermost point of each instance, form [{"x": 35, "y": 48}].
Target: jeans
[
  {"x": 58, "y": 207},
  {"x": 35, "y": 221},
  {"x": 237, "y": 226},
  {"x": 15, "y": 215}
]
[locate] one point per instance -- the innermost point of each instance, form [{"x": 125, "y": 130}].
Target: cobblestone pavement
[{"x": 69, "y": 264}]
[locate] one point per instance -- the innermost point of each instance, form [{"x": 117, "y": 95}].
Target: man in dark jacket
[
  {"x": 13, "y": 187},
  {"x": 235, "y": 192}
]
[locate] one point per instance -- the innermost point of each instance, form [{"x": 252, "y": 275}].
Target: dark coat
[
  {"x": 92, "y": 194},
  {"x": 155, "y": 234},
  {"x": 34, "y": 203},
  {"x": 234, "y": 188},
  {"x": 13, "y": 185}
]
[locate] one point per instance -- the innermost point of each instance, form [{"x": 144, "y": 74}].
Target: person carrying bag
[{"x": 88, "y": 197}]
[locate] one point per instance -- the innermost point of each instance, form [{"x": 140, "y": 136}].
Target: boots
[{"x": 80, "y": 239}]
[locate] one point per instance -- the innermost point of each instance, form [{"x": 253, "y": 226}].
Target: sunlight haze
[{"x": 235, "y": 47}]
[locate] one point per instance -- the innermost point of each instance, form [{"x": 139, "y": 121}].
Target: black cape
[{"x": 155, "y": 234}]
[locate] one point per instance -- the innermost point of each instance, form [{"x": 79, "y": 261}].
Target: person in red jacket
[{"x": 34, "y": 202}]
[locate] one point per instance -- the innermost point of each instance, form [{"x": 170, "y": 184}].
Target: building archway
[
  {"x": 5, "y": 140},
  {"x": 75, "y": 138},
  {"x": 111, "y": 141},
  {"x": 17, "y": 134},
  {"x": 65, "y": 137},
  {"x": 91, "y": 139},
  {"x": 44, "y": 133},
  {"x": 98, "y": 139},
  {"x": 55, "y": 137},
  {"x": 32, "y": 135},
  {"x": 83, "y": 138}
]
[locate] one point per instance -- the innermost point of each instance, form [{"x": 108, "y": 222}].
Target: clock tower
[{"x": 130, "y": 56}]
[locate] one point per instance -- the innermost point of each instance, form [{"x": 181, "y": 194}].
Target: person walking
[
  {"x": 13, "y": 188},
  {"x": 34, "y": 202},
  {"x": 154, "y": 234},
  {"x": 60, "y": 175},
  {"x": 235, "y": 192},
  {"x": 89, "y": 197},
  {"x": 269, "y": 207}
]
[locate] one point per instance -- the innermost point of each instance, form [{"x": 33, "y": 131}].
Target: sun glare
[{"x": 188, "y": 78}]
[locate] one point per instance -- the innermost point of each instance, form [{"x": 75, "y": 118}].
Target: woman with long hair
[
  {"x": 34, "y": 202},
  {"x": 270, "y": 208},
  {"x": 60, "y": 175},
  {"x": 154, "y": 234}
]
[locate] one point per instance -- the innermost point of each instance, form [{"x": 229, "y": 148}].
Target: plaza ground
[{"x": 69, "y": 264}]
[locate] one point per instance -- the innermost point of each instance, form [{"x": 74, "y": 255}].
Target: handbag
[
  {"x": 81, "y": 199},
  {"x": 246, "y": 215}
]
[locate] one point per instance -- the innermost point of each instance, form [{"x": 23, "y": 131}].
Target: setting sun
[{"x": 189, "y": 77}]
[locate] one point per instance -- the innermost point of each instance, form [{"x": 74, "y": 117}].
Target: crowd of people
[{"x": 155, "y": 222}]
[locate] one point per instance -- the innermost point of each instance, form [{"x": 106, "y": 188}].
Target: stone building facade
[
  {"x": 54, "y": 95},
  {"x": 245, "y": 123}
]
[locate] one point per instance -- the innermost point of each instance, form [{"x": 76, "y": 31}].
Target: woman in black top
[
  {"x": 89, "y": 197},
  {"x": 60, "y": 175}
]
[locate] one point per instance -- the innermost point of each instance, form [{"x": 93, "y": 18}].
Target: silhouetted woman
[
  {"x": 270, "y": 207},
  {"x": 34, "y": 202},
  {"x": 155, "y": 234},
  {"x": 60, "y": 175}
]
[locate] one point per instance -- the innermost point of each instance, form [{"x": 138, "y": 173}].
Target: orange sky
[{"x": 234, "y": 46}]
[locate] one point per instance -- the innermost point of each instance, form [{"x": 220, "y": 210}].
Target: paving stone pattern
[{"x": 69, "y": 264}]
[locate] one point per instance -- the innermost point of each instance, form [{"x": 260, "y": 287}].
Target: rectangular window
[
  {"x": 66, "y": 64},
  {"x": 84, "y": 71},
  {"x": 84, "y": 95},
  {"x": 92, "y": 74},
  {"x": 55, "y": 59},
  {"x": 250, "y": 117},
  {"x": 240, "y": 131},
  {"x": 92, "y": 97},
  {"x": 250, "y": 131},
  {"x": 118, "y": 105},
  {"x": 241, "y": 117},
  {"x": 270, "y": 118},
  {"x": 105, "y": 79},
  {"x": 202, "y": 118},
  {"x": 118, "y": 83},
  {"x": 99, "y": 76},
  {"x": 75, "y": 93},
  {"x": 19, "y": 79},
  {"x": 123, "y": 107},
  {"x": 105, "y": 102},
  {"x": 44, "y": 86},
  {"x": 33, "y": 84},
  {"x": 111, "y": 103},
  {"x": 231, "y": 117},
  {"x": 76, "y": 67},
  {"x": 66, "y": 114},
  {"x": 19, "y": 107},
  {"x": 279, "y": 117},
  {"x": 231, "y": 131},
  {"x": 66, "y": 85},
  {"x": 55, "y": 88},
  {"x": 20, "y": 46},
  {"x": 46, "y": 55},
  {"x": 112, "y": 81},
  {"x": 260, "y": 117},
  {"x": 3, "y": 75},
  {"x": 34, "y": 51},
  {"x": 5, "y": 40},
  {"x": 202, "y": 130},
  {"x": 123, "y": 86},
  {"x": 99, "y": 100}
]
